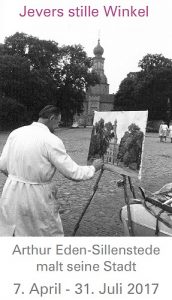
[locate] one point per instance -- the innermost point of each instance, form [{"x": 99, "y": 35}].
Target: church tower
[
  {"x": 98, "y": 97},
  {"x": 98, "y": 66}
]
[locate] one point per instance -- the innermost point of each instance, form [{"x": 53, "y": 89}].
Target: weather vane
[{"x": 99, "y": 31}]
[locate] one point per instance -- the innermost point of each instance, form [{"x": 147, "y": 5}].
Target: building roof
[{"x": 98, "y": 50}]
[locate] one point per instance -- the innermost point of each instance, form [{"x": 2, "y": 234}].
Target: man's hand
[{"x": 98, "y": 164}]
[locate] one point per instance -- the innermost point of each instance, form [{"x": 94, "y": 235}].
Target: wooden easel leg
[
  {"x": 89, "y": 201},
  {"x": 130, "y": 227},
  {"x": 131, "y": 187}
]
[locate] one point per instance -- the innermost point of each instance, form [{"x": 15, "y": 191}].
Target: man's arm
[
  {"x": 3, "y": 158},
  {"x": 66, "y": 165}
]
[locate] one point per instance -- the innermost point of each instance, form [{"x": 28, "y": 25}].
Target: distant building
[{"x": 98, "y": 97}]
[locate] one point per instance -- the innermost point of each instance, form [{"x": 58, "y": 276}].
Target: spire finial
[{"x": 99, "y": 36}]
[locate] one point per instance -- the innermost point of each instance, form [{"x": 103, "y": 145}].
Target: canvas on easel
[{"x": 118, "y": 138}]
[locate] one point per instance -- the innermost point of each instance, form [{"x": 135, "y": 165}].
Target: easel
[{"x": 120, "y": 183}]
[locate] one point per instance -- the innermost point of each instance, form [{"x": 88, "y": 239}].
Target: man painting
[{"x": 30, "y": 158}]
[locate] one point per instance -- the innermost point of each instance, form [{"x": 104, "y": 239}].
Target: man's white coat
[{"x": 31, "y": 156}]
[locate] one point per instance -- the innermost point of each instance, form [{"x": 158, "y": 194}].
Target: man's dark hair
[{"x": 48, "y": 111}]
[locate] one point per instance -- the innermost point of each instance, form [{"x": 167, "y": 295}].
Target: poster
[{"x": 87, "y": 267}]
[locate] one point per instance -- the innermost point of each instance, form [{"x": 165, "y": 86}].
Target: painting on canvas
[{"x": 118, "y": 138}]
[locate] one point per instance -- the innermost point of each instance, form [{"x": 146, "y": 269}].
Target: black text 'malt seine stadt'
[{"x": 87, "y": 11}]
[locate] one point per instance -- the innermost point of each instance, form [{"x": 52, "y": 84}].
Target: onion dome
[{"x": 98, "y": 50}]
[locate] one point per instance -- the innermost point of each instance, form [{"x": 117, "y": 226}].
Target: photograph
[{"x": 85, "y": 149}]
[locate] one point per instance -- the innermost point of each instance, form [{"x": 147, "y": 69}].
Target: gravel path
[{"x": 102, "y": 217}]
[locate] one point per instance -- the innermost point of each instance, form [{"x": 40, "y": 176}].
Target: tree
[
  {"x": 38, "y": 72},
  {"x": 12, "y": 114},
  {"x": 152, "y": 62},
  {"x": 41, "y": 54},
  {"x": 76, "y": 75},
  {"x": 125, "y": 97},
  {"x": 148, "y": 89},
  {"x": 27, "y": 86},
  {"x": 101, "y": 135},
  {"x": 130, "y": 148},
  {"x": 26, "y": 71}
]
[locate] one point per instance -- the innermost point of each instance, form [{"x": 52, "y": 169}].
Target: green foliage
[{"x": 148, "y": 89}]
